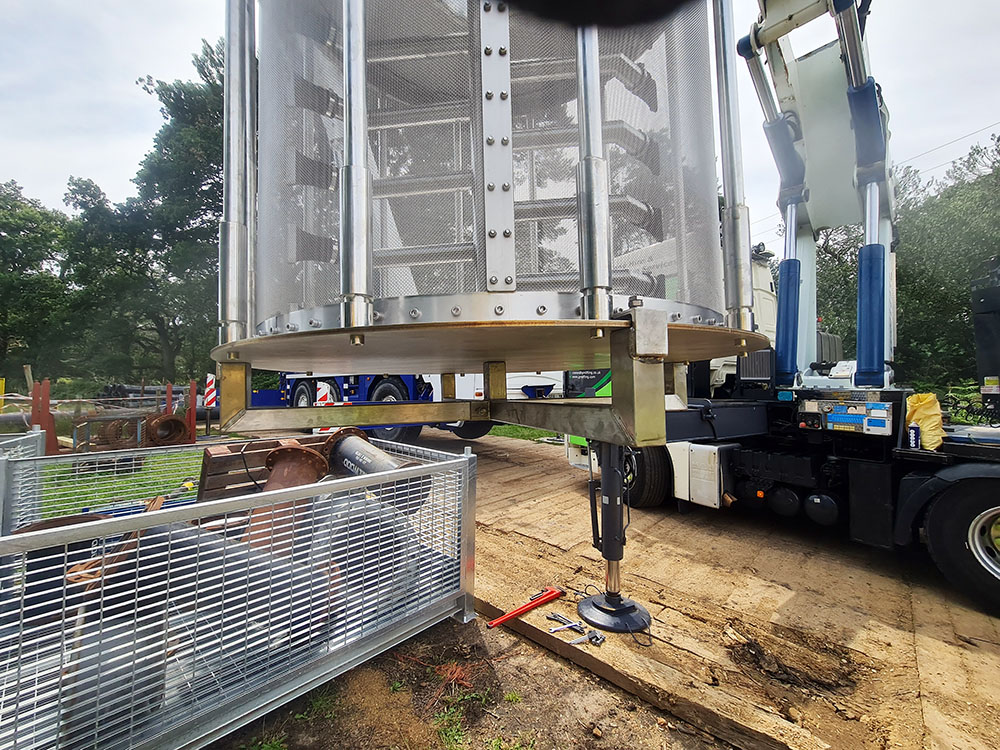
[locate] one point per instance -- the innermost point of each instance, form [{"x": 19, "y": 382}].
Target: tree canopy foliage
[
  {"x": 128, "y": 290},
  {"x": 947, "y": 229}
]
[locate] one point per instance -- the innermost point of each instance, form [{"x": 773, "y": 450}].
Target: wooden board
[
  {"x": 766, "y": 634},
  {"x": 235, "y": 469}
]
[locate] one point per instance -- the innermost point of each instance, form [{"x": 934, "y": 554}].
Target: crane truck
[{"x": 803, "y": 431}]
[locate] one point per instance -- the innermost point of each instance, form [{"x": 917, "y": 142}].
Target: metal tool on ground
[
  {"x": 546, "y": 595},
  {"x": 556, "y": 617},
  {"x": 577, "y": 626},
  {"x": 592, "y": 637}
]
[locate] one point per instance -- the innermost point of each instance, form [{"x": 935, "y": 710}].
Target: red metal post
[
  {"x": 48, "y": 421},
  {"x": 36, "y": 405},
  {"x": 170, "y": 399}
]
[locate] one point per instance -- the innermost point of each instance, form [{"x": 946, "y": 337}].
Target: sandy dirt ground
[
  {"x": 463, "y": 686},
  {"x": 765, "y": 634}
]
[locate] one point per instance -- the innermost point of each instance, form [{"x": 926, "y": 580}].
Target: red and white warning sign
[
  {"x": 324, "y": 397},
  {"x": 211, "y": 397}
]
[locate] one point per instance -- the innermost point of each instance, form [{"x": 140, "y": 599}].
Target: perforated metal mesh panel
[
  {"x": 165, "y": 628},
  {"x": 658, "y": 140},
  {"x": 427, "y": 123}
]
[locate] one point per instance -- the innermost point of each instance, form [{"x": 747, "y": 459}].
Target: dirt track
[{"x": 763, "y": 630}]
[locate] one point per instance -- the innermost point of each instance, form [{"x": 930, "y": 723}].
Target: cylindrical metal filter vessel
[{"x": 473, "y": 149}]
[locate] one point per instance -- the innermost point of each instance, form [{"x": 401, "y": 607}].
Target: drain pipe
[
  {"x": 870, "y": 146},
  {"x": 781, "y": 130},
  {"x": 735, "y": 214}
]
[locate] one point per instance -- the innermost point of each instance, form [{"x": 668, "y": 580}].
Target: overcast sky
[{"x": 69, "y": 104}]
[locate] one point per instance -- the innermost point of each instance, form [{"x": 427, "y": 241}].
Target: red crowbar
[{"x": 546, "y": 595}]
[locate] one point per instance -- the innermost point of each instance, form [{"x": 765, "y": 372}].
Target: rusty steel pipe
[
  {"x": 291, "y": 465},
  {"x": 166, "y": 429}
]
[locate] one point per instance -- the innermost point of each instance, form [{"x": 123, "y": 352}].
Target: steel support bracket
[
  {"x": 378, "y": 413},
  {"x": 234, "y": 391}
]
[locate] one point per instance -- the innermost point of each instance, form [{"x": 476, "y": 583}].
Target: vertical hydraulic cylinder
[
  {"x": 789, "y": 283},
  {"x": 593, "y": 188}
]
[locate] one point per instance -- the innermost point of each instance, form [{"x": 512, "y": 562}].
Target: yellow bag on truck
[{"x": 925, "y": 410}]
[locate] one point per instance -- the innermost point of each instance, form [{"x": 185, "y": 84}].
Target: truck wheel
[
  {"x": 648, "y": 477},
  {"x": 305, "y": 394},
  {"x": 392, "y": 389},
  {"x": 472, "y": 430},
  {"x": 963, "y": 536}
]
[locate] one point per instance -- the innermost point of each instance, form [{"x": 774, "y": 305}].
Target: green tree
[
  {"x": 946, "y": 230},
  {"x": 33, "y": 294},
  {"x": 145, "y": 270}
]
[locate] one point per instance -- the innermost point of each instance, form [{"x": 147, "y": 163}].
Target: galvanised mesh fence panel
[
  {"x": 22, "y": 445},
  {"x": 119, "y": 482},
  {"x": 176, "y": 626}
]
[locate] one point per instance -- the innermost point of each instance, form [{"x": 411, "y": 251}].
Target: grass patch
[
  {"x": 267, "y": 741},
  {"x": 513, "y": 697},
  {"x": 323, "y": 703},
  {"x": 449, "y": 727},
  {"x": 499, "y": 743},
  {"x": 94, "y": 481},
  {"x": 521, "y": 433}
]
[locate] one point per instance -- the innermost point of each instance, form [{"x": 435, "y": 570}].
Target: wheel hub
[{"x": 984, "y": 540}]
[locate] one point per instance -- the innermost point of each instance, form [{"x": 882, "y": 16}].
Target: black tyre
[
  {"x": 472, "y": 430},
  {"x": 963, "y": 536},
  {"x": 648, "y": 477},
  {"x": 393, "y": 389},
  {"x": 305, "y": 394}
]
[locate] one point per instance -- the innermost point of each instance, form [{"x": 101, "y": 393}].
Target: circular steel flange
[{"x": 463, "y": 346}]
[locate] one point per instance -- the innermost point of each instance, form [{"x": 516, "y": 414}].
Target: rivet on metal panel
[
  {"x": 488, "y": 51},
  {"x": 487, "y": 7},
  {"x": 291, "y": 327},
  {"x": 501, "y": 7},
  {"x": 506, "y": 233},
  {"x": 493, "y": 279},
  {"x": 502, "y": 51},
  {"x": 456, "y": 311},
  {"x": 492, "y": 233},
  {"x": 498, "y": 309},
  {"x": 695, "y": 318},
  {"x": 313, "y": 323},
  {"x": 377, "y": 315},
  {"x": 541, "y": 309},
  {"x": 490, "y": 140},
  {"x": 505, "y": 140},
  {"x": 414, "y": 313},
  {"x": 675, "y": 316},
  {"x": 490, "y": 186},
  {"x": 506, "y": 186},
  {"x": 710, "y": 322},
  {"x": 489, "y": 94},
  {"x": 504, "y": 95},
  {"x": 509, "y": 280},
  {"x": 619, "y": 310}
]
